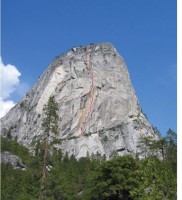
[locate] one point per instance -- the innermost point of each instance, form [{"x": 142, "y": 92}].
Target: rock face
[
  {"x": 15, "y": 161},
  {"x": 94, "y": 92}
]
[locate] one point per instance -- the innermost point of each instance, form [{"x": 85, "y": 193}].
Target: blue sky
[{"x": 143, "y": 32}]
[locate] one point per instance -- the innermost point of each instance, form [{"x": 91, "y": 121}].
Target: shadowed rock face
[{"x": 115, "y": 122}]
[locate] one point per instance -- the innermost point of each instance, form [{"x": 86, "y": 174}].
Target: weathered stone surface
[
  {"x": 15, "y": 161},
  {"x": 116, "y": 121}
]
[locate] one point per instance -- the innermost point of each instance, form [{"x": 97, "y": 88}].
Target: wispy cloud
[{"x": 9, "y": 77}]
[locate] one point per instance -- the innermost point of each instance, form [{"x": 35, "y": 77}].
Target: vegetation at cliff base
[{"x": 94, "y": 177}]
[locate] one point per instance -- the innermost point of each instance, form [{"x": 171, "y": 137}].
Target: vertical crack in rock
[{"x": 68, "y": 79}]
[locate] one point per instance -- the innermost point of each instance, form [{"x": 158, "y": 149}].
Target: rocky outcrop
[
  {"x": 115, "y": 121},
  {"x": 15, "y": 161}
]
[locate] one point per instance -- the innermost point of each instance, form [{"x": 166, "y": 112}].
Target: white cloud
[
  {"x": 5, "y": 106},
  {"x": 9, "y": 81}
]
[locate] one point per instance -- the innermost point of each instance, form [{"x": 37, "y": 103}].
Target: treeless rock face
[{"x": 115, "y": 121}]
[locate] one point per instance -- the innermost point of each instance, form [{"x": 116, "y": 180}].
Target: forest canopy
[{"x": 93, "y": 177}]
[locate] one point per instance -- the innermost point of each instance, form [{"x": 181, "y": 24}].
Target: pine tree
[
  {"x": 156, "y": 181},
  {"x": 49, "y": 127},
  {"x": 159, "y": 147},
  {"x": 115, "y": 179},
  {"x": 171, "y": 151},
  {"x": 145, "y": 144}
]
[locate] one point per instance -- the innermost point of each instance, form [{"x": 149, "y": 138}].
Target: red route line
[{"x": 91, "y": 92}]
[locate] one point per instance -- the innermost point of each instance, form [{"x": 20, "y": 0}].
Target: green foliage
[
  {"x": 93, "y": 177},
  {"x": 22, "y": 104},
  {"x": 145, "y": 145},
  {"x": 159, "y": 146},
  {"x": 50, "y": 121},
  {"x": 49, "y": 126},
  {"x": 116, "y": 178},
  {"x": 18, "y": 184},
  {"x": 105, "y": 138},
  {"x": 14, "y": 147},
  {"x": 156, "y": 180},
  {"x": 9, "y": 134}
]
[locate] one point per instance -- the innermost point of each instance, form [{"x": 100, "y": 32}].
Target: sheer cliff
[{"x": 98, "y": 108}]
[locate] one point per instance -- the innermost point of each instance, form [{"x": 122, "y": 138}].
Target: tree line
[{"x": 53, "y": 176}]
